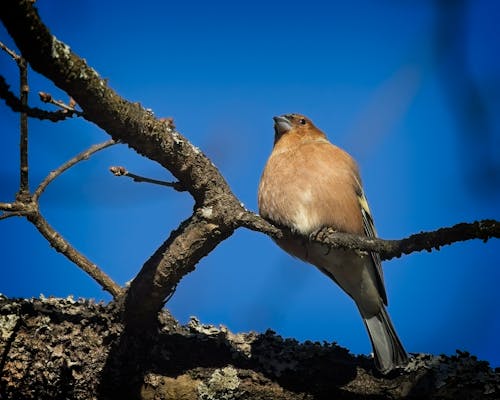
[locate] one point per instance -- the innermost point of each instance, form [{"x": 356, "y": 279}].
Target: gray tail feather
[{"x": 387, "y": 348}]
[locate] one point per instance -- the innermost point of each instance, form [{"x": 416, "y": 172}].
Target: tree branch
[
  {"x": 68, "y": 348},
  {"x": 30, "y": 210},
  {"x": 28, "y": 206},
  {"x": 16, "y": 206},
  {"x": 15, "y": 104},
  {"x": 84, "y": 155},
  {"x": 428, "y": 241},
  {"x": 388, "y": 249},
  {"x": 122, "y": 171},
  {"x": 6, "y": 215},
  {"x": 16, "y": 57},
  {"x": 65, "y": 108},
  {"x": 174, "y": 259},
  {"x": 15, "y": 209},
  {"x": 24, "y": 167},
  {"x": 61, "y": 245}
]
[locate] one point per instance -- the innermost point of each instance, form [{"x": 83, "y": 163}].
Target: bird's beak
[{"x": 282, "y": 124}]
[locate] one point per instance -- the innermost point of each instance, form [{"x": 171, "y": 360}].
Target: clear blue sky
[{"x": 377, "y": 77}]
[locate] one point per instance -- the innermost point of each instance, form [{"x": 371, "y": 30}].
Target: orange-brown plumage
[
  {"x": 304, "y": 160},
  {"x": 307, "y": 184}
]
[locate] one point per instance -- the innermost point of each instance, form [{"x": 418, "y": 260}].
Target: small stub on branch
[
  {"x": 67, "y": 108},
  {"x": 122, "y": 171},
  {"x": 169, "y": 121},
  {"x": 118, "y": 170},
  {"x": 45, "y": 97}
]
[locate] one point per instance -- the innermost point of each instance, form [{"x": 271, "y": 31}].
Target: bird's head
[{"x": 297, "y": 125}]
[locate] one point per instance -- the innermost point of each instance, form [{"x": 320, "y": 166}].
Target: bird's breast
[
  {"x": 308, "y": 189},
  {"x": 289, "y": 201}
]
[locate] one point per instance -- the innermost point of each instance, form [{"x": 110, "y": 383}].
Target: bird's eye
[{"x": 302, "y": 121}]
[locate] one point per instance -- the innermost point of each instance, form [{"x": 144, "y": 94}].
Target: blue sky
[{"x": 373, "y": 75}]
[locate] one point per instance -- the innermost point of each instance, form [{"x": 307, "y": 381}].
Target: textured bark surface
[{"x": 66, "y": 349}]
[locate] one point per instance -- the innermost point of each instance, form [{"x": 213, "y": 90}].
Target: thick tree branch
[
  {"x": 174, "y": 259},
  {"x": 59, "y": 348}
]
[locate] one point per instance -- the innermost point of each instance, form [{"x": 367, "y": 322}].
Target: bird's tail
[{"x": 387, "y": 348}]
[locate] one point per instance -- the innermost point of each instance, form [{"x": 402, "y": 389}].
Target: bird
[{"x": 308, "y": 184}]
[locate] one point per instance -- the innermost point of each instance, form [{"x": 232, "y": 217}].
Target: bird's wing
[{"x": 369, "y": 228}]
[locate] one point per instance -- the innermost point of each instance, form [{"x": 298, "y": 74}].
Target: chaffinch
[{"x": 307, "y": 184}]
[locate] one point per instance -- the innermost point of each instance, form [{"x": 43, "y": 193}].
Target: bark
[{"x": 65, "y": 349}]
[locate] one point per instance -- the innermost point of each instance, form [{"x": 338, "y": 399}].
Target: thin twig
[
  {"x": 16, "y": 209},
  {"x": 67, "y": 108},
  {"x": 9, "y": 214},
  {"x": 16, "y": 57},
  {"x": 23, "y": 193},
  {"x": 28, "y": 207},
  {"x": 84, "y": 155},
  {"x": 24, "y": 168},
  {"x": 122, "y": 171},
  {"x": 15, "y": 104},
  {"x": 387, "y": 249},
  {"x": 62, "y": 246}
]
